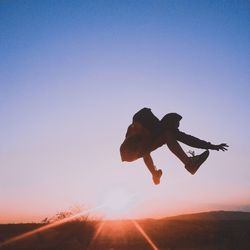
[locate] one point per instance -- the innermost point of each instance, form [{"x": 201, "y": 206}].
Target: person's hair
[{"x": 170, "y": 119}]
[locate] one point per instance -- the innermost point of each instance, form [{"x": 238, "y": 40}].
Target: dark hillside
[{"x": 207, "y": 231}]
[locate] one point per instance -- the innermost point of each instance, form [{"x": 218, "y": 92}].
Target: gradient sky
[{"x": 72, "y": 74}]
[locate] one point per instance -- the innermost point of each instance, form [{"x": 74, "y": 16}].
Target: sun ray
[
  {"x": 46, "y": 227},
  {"x": 143, "y": 233},
  {"x": 98, "y": 231}
]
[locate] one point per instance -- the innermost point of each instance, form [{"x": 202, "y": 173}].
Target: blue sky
[{"x": 72, "y": 73}]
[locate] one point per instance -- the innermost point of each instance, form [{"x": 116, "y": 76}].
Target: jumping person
[{"x": 147, "y": 133}]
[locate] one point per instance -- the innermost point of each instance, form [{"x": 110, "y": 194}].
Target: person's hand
[{"x": 222, "y": 146}]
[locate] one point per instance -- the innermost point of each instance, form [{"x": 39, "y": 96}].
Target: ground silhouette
[{"x": 208, "y": 231}]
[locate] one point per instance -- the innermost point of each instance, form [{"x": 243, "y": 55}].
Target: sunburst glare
[{"x": 118, "y": 203}]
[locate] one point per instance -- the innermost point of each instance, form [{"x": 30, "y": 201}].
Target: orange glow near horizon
[
  {"x": 58, "y": 223},
  {"x": 48, "y": 226},
  {"x": 123, "y": 225},
  {"x": 121, "y": 204},
  {"x": 117, "y": 204},
  {"x": 110, "y": 204}
]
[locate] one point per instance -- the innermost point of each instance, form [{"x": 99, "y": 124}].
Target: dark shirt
[{"x": 158, "y": 133}]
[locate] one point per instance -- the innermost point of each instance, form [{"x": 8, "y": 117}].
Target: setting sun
[{"x": 117, "y": 204}]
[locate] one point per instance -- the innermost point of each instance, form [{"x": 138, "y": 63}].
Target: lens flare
[
  {"x": 143, "y": 233},
  {"x": 46, "y": 227},
  {"x": 118, "y": 204}
]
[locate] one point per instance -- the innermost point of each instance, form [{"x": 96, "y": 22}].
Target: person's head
[{"x": 171, "y": 121}]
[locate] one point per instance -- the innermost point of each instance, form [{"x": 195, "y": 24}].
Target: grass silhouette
[{"x": 212, "y": 230}]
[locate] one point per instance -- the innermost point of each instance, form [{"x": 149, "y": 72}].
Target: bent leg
[{"x": 175, "y": 147}]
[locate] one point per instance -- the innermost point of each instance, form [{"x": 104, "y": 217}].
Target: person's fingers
[{"x": 223, "y": 146}]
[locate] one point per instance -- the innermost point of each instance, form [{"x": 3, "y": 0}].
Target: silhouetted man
[{"x": 147, "y": 133}]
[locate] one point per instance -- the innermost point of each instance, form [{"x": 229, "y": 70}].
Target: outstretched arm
[
  {"x": 156, "y": 174},
  {"x": 149, "y": 163},
  {"x": 197, "y": 143}
]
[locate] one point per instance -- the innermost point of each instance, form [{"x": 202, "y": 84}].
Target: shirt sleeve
[{"x": 192, "y": 141}]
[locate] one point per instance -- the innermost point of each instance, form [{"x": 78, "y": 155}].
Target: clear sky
[{"x": 73, "y": 73}]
